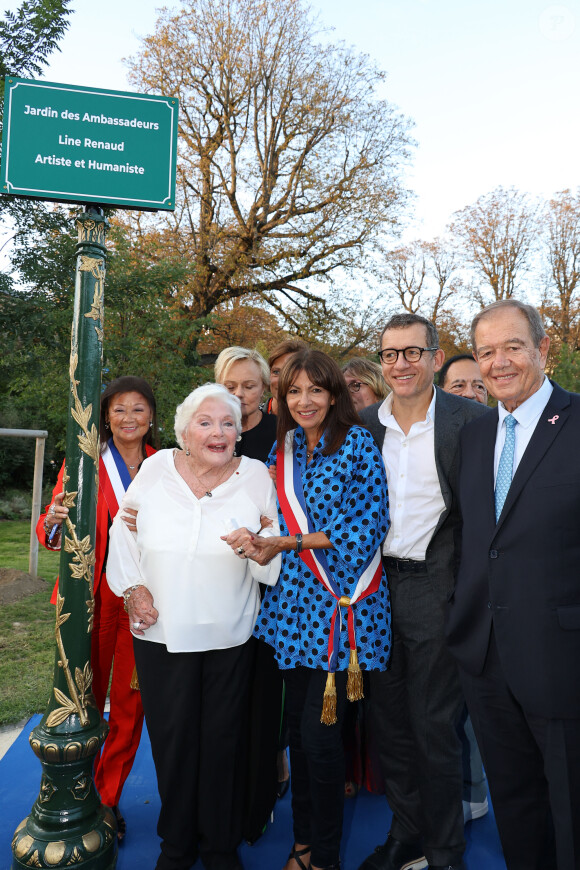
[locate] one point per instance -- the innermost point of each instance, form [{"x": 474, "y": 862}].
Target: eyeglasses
[
  {"x": 354, "y": 386},
  {"x": 390, "y": 355}
]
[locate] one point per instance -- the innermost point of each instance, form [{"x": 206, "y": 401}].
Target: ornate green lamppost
[{"x": 68, "y": 825}]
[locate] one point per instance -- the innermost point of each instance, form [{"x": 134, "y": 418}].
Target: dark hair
[
  {"x": 289, "y": 345},
  {"x": 324, "y": 372},
  {"x": 449, "y": 362},
  {"x": 531, "y": 314},
  {"x": 128, "y": 384},
  {"x": 400, "y": 321}
]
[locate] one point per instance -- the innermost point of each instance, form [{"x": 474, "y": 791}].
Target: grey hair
[
  {"x": 531, "y": 314},
  {"x": 400, "y": 321},
  {"x": 190, "y": 406},
  {"x": 234, "y": 354}
]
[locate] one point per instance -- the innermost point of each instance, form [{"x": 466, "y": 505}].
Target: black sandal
[
  {"x": 297, "y": 855},
  {"x": 121, "y": 824}
]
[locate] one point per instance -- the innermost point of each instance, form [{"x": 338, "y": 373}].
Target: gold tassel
[
  {"x": 354, "y": 683},
  {"x": 134, "y": 684},
  {"x": 329, "y": 702}
]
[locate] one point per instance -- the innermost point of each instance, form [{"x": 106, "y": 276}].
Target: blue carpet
[{"x": 366, "y": 821}]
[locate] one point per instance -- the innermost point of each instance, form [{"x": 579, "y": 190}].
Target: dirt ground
[{"x": 15, "y": 584}]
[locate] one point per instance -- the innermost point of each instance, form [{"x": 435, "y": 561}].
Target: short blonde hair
[
  {"x": 191, "y": 405},
  {"x": 369, "y": 373},
  {"x": 234, "y": 354}
]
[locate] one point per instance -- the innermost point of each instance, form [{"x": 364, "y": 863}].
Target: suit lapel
[
  {"x": 557, "y": 410},
  {"x": 447, "y": 423},
  {"x": 488, "y": 434}
]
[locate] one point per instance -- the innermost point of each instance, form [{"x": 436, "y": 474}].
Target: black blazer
[
  {"x": 451, "y": 415},
  {"x": 523, "y": 573}
]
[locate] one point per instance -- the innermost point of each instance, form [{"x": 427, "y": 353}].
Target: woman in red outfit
[{"x": 127, "y": 426}]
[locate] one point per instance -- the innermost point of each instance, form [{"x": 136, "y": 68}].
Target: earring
[
  {"x": 151, "y": 424},
  {"x": 239, "y": 438},
  {"x": 106, "y": 425},
  {"x": 187, "y": 451}
]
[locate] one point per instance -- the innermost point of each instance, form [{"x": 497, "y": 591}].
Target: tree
[
  {"x": 27, "y": 39},
  {"x": 29, "y": 35},
  {"x": 562, "y": 225},
  {"x": 423, "y": 276},
  {"x": 495, "y": 237},
  {"x": 145, "y": 331},
  {"x": 288, "y": 165}
]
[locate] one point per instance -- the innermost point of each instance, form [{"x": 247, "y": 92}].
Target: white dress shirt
[
  {"x": 207, "y": 597},
  {"x": 527, "y": 415},
  {"x": 415, "y": 500}
]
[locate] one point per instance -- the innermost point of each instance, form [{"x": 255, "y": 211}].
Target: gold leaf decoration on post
[
  {"x": 89, "y": 440},
  {"x": 96, "y": 267},
  {"x": 75, "y": 704}
]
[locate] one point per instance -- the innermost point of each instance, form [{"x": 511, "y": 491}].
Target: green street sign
[{"x": 75, "y": 144}]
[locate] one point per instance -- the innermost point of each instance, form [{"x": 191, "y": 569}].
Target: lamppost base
[{"x": 94, "y": 846}]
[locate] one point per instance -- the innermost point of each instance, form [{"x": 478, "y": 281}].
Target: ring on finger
[{"x": 240, "y": 551}]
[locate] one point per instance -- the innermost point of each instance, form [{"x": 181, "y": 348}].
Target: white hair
[
  {"x": 190, "y": 406},
  {"x": 235, "y": 354}
]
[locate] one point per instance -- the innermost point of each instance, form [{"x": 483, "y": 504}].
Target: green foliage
[
  {"x": 146, "y": 331},
  {"x": 567, "y": 370},
  {"x": 29, "y": 35}
]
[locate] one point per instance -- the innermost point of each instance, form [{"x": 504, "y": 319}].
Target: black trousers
[
  {"x": 316, "y": 763},
  {"x": 196, "y": 711},
  {"x": 416, "y": 705},
  {"x": 533, "y": 769}
]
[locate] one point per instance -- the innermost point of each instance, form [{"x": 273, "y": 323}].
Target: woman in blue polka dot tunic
[{"x": 341, "y": 474}]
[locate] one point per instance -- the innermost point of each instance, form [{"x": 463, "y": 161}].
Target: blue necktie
[{"x": 506, "y": 465}]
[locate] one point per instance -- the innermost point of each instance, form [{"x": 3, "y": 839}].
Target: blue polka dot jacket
[{"x": 346, "y": 497}]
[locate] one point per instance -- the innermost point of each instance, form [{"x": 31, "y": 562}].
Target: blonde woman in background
[
  {"x": 245, "y": 374},
  {"x": 365, "y": 382}
]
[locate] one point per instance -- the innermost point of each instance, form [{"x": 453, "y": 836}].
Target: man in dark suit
[
  {"x": 514, "y": 620},
  {"x": 416, "y": 703}
]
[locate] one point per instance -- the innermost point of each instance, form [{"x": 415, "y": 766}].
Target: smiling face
[
  {"x": 244, "y": 380},
  {"x": 410, "y": 382},
  {"x": 129, "y": 416},
  {"x": 511, "y": 367},
  {"x": 211, "y": 435},
  {"x": 309, "y": 405},
  {"x": 464, "y": 379}
]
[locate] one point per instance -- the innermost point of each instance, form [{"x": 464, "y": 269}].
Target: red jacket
[{"x": 104, "y": 511}]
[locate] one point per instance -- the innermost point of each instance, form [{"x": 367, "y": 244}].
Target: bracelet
[
  {"x": 48, "y": 529},
  {"x": 127, "y": 594},
  {"x": 299, "y": 542}
]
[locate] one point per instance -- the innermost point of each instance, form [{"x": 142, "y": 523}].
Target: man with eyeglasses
[
  {"x": 417, "y": 701},
  {"x": 514, "y": 617}
]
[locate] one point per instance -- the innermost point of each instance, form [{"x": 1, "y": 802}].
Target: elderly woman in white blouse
[{"x": 192, "y": 602}]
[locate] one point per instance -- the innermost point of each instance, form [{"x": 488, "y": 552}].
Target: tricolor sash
[
  {"x": 295, "y": 512},
  {"x": 116, "y": 479}
]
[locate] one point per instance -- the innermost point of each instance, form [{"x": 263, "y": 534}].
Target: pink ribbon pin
[{"x": 553, "y": 419}]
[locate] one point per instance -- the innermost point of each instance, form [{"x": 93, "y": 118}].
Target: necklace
[{"x": 209, "y": 492}]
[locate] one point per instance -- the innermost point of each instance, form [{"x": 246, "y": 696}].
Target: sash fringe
[
  {"x": 354, "y": 684},
  {"x": 329, "y": 702},
  {"x": 134, "y": 684}
]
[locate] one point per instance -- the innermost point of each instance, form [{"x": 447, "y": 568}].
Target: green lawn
[
  {"x": 14, "y": 548},
  {"x": 27, "y": 646}
]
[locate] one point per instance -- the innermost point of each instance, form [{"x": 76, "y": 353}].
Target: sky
[{"x": 492, "y": 85}]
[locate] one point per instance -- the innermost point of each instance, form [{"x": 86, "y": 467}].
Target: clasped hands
[{"x": 248, "y": 545}]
